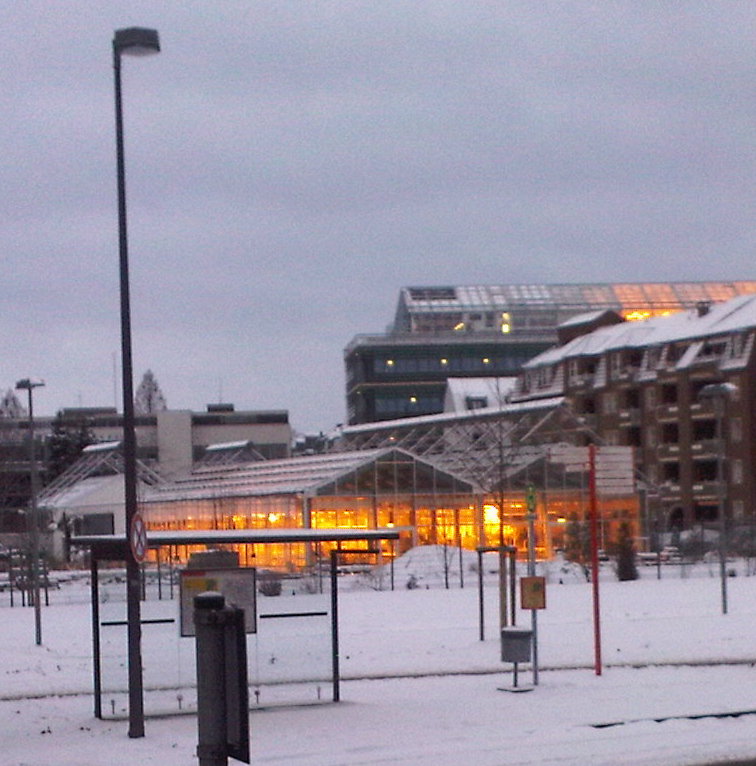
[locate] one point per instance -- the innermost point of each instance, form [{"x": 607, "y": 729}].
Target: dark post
[
  {"x": 135, "y": 40},
  {"x": 222, "y": 695},
  {"x": 211, "y": 697},
  {"x": 481, "y": 609},
  {"x": 96, "y": 661},
  {"x": 335, "y": 624},
  {"x": 33, "y": 518}
]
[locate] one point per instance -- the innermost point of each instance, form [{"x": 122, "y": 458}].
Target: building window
[
  {"x": 610, "y": 402},
  {"x": 669, "y": 393},
  {"x": 652, "y": 357},
  {"x": 651, "y": 437},
  {"x": 633, "y": 437},
  {"x": 736, "y": 430},
  {"x": 705, "y": 470},
  {"x": 650, "y": 396},
  {"x": 704, "y": 429},
  {"x": 631, "y": 399},
  {"x": 671, "y": 472},
  {"x": 737, "y": 471},
  {"x": 670, "y": 433}
]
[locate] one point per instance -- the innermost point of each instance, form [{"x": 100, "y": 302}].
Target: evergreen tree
[
  {"x": 65, "y": 444},
  {"x": 577, "y": 543},
  {"x": 626, "y": 567},
  {"x": 11, "y": 407},
  {"x": 149, "y": 398}
]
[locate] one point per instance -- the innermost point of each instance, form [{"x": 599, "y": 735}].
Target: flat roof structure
[{"x": 110, "y": 547}]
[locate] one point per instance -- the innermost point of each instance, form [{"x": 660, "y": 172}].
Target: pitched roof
[{"x": 722, "y": 318}]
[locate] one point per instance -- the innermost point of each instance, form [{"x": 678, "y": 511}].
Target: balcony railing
[
  {"x": 707, "y": 489},
  {"x": 668, "y": 412},
  {"x": 706, "y": 448},
  {"x": 668, "y": 451},
  {"x": 629, "y": 417}
]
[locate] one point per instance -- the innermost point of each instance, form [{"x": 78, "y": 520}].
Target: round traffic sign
[{"x": 138, "y": 538}]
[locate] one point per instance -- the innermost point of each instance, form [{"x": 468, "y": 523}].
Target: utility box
[{"x": 516, "y": 645}]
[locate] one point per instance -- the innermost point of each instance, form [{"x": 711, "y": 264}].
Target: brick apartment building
[{"x": 655, "y": 385}]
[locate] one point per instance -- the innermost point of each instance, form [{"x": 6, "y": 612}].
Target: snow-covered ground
[{"x": 678, "y": 685}]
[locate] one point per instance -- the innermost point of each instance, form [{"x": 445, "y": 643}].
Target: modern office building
[
  {"x": 173, "y": 440},
  {"x": 168, "y": 441},
  {"x": 680, "y": 390},
  {"x": 476, "y": 331}
]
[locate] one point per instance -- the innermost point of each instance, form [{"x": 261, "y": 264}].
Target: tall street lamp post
[
  {"x": 28, "y": 385},
  {"x": 718, "y": 394},
  {"x": 132, "y": 41}
]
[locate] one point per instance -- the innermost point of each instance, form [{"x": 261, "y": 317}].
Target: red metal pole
[{"x": 594, "y": 557}]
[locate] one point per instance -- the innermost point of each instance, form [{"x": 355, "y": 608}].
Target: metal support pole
[
  {"x": 481, "y": 610},
  {"x": 531, "y": 573},
  {"x": 719, "y": 409},
  {"x": 503, "y": 622},
  {"x": 96, "y": 664},
  {"x": 29, "y": 384},
  {"x": 211, "y": 681},
  {"x": 513, "y": 583},
  {"x": 134, "y": 629},
  {"x": 335, "y": 624},
  {"x": 594, "y": 559}
]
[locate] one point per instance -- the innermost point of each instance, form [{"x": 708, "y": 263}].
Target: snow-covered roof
[
  {"x": 618, "y": 296},
  {"x": 101, "y": 447},
  {"x": 298, "y": 475},
  {"x": 493, "y": 390},
  {"x": 92, "y": 491},
  {"x": 721, "y": 319},
  {"x": 510, "y": 408},
  {"x": 584, "y": 318},
  {"x": 219, "y": 447}
]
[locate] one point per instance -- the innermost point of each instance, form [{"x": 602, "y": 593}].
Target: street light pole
[
  {"x": 719, "y": 393},
  {"x": 131, "y": 41},
  {"x": 29, "y": 384}
]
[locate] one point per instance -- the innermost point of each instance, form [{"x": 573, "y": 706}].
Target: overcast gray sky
[{"x": 291, "y": 165}]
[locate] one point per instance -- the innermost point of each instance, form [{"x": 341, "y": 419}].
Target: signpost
[
  {"x": 530, "y": 500},
  {"x": 610, "y": 472}
]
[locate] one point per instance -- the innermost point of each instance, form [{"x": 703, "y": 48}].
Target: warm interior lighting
[
  {"x": 389, "y": 363},
  {"x": 486, "y": 360},
  {"x": 637, "y": 316},
  {"x": 506, "y": 322},
  {"x": 459, "y": 326},
  {"x": 444, "y": 361},
  {"x": 274, "y": 517},
  {"x": 413, "y": 399},
  {"x": 490, "y": 514}
]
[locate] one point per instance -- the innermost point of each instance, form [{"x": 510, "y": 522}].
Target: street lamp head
[
  {"x": 27, "y": 384},
  {"x": 136, "y": 41}
]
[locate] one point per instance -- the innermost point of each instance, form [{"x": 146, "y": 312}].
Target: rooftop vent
[{"x": 703, "y": 308}]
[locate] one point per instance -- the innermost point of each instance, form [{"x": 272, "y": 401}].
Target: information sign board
[
  {"x": 533, "y": 592},
  {"x": 238, "y": 586}
]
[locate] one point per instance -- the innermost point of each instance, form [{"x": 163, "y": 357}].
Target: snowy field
[{"x": 678, "y": 686}]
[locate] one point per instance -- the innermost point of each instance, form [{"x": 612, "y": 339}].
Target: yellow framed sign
[{"x": 533, "y": 592}]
